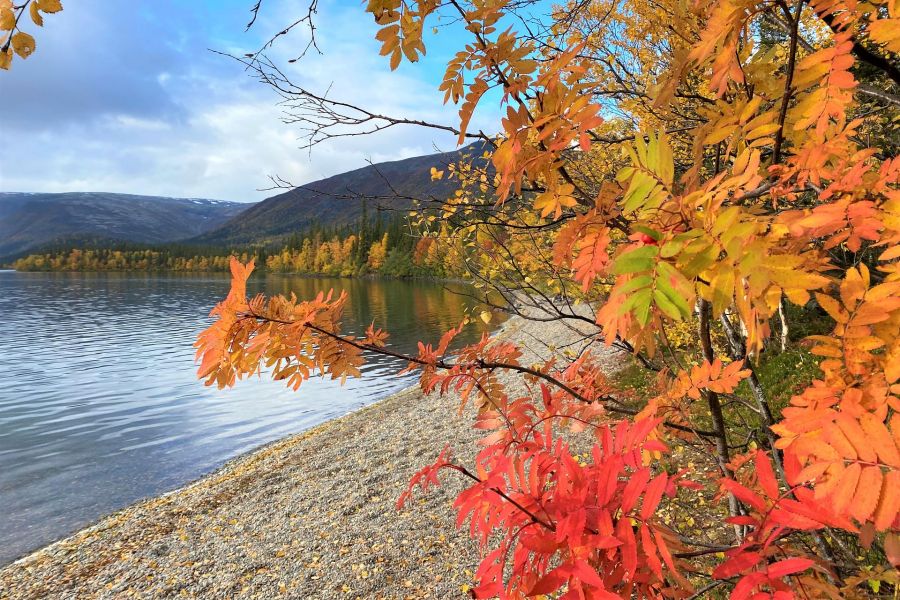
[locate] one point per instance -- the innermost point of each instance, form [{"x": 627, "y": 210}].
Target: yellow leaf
[
  {"x": 5, "y": 59},
  {"x": 553, "y": 201},
  {"x": 396, "y": 56},
  {"x": 7, "y": 19},
  {"x": 49, "y": 6},
  {"x": 890, "y": 253},
  {"x": 36, "y": 14},
  {"x": 486, "y": 316},
  {"x": 23, "y": 44},
  {"x": 762, "y": 130},
  {"x": 886, "y": 31},
  {"x": 719, "y": 135}
]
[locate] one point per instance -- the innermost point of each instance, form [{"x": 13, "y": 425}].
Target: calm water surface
[{"x": 100, "y": 406}]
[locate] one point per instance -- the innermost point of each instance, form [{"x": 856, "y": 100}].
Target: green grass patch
[
  {"x": 783, "y": 375},
  {"x": 804, "y": 321},
  {"x": 635, "y": 380}
]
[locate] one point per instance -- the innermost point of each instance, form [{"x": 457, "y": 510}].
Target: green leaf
[
  {"x": 638, "y": 191},
  {"x": 638, "y": 260},
  {"x": 650, "y": 232},
  {"x": 671, "y": 248},
  {"x": 675, "y": 299},
  {"x": 639, "y": 304},
  {"x": 624, "y": 174},
  {"x": 701, "y": 260},
  {"x": 641, "y": 281},
  {"x": 669, "y": 309}
]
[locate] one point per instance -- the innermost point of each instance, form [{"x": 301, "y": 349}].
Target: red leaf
[
  {"x": 587, "y": 575},
  {"x": 655, "y": 446},
  {"x": 663, "y": 549},
  {"x": 488, "y": 590},
  {"x": 788, "y": 567},
  {"x": 737, "y": 564},
  {"x": 547, "y": 396},
  {"x": 607, "y": 542},
  {"x": 792, "y": 520},
  {"x": 552, "y": 581},
  {"x": 742, "y": 520},
  {"x": 584, "y": 142},
  {"x": 649, "y": 549},
  {"x": 634, "y": 488},
  {"x": 653, "y": 495},
  {"x": 745, "y": 586},
  {"x": 744, "y": 495},
  {"x": 892, "y": 548},
  {"x": 542, "y": 544},
  {"x": 629, "y": 545},
  {"x": 765, "y": 475}
]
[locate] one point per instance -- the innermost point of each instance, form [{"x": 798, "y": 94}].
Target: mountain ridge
[
  {"x": 33, "y": 220},
  {"x": 340, "y": 199}
]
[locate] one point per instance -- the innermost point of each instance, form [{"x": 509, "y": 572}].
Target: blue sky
[{"x": 126, "y": 97}]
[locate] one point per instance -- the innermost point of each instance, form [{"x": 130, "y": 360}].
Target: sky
[{"x": 128, "y": 97}]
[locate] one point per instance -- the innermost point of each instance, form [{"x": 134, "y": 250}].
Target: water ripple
[{"x": 99, "y": 405}]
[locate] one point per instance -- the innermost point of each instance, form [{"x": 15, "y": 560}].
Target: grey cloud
[{"x": 93, "y": 59}]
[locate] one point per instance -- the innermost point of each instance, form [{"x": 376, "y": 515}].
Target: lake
[{"x": 99, "y": 401}]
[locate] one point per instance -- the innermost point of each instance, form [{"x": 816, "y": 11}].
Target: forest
[{"x": 371, "y": 249}]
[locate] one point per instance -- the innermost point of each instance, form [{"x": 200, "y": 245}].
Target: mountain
[
  {"x": 341, "y": 199},
  {"x": 29, "y": 221}
]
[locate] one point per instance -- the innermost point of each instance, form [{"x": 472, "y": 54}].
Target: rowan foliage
[
  {"x": 584, "y": 524},
  {"x": 673, "y": 165}
]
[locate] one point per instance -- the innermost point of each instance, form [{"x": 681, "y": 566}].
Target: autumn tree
[
  {"x": 377, "y": 253},
  {"x": 711, "y": 166}
]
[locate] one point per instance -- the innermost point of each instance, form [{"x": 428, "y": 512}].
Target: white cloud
[{"x": 213, "y": 132}]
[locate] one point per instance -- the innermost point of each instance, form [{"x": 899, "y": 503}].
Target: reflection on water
[{"x": 99, "y": 404}]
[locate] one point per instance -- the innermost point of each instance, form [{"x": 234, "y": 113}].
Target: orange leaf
[
  {"x": 889, "y": 503},
  {"x": 867, "y": 492},
  {"x": 845, "y": 488},
  {"x": 880, "y": 439},
  {"x": 861, "y": 443}
]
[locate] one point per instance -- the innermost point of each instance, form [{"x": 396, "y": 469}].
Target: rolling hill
[
  {"x": 32, "y": 221},
  {"x": 338, "y": 200},
  {"x": 29, "y": 221}
]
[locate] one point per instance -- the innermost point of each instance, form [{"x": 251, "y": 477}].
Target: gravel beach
[{"x": 311, "y": 516}]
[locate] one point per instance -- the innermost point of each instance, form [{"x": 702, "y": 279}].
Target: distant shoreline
[{"x": 260, "y": 271}]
